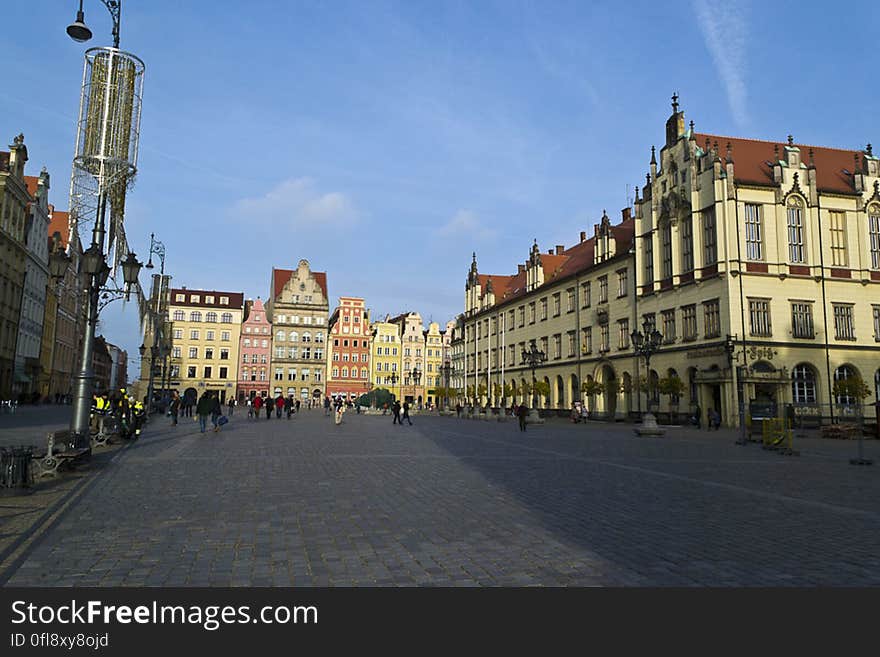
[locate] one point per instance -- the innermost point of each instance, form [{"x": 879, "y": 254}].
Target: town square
[{"x": 459, "y": 295}]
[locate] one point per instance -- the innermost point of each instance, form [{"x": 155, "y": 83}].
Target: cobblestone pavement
[
  {"x": 28, "y": 425},
  {"x": 459, "y": 503}
]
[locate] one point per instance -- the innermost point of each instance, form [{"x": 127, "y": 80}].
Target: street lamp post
[
  {"x": 533, "y": 357},
  {"x": 416, "y": 377},
  {"x": 157, "y": 248},
  {"x": 445, "y": 370},
  {"x": 394, "y": 379},
  {"x": 94, "y": 265},
  {"x": 645, "y": 343}
]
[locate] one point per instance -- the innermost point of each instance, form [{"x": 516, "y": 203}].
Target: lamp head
[{"x": 77, "y": 30}]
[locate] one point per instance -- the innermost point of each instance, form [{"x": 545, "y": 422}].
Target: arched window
[
  {"x": 195, "y": 316},
  {"x": 803, "y": 385},
  {"x": 874, "y": 234},
  {"x": 280, "y": 336},
  {"x": 364, "y": 372},
  {"x": 226, "y": 318},
  {"x": 795, "y": 229},
  {"x": 307, "y": 337},
  {"x": 247, "y": 342},
  {"x": 294, "y": 336},
  {"x": 244, "y": 373},
  {"x": 211, "y": 317},
  {"x": 843, "y": 373},
  {"x": 319, "y": 337},
  {"x": 179, "y": 316}
]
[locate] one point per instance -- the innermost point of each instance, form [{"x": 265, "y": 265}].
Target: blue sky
[{"x": 386, "y": 141}]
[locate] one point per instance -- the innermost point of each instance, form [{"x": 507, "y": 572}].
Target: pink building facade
[{"x": 255, "y": 352}]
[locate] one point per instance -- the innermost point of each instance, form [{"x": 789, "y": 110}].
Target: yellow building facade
[
  {"x": 386, "y": 357},
  {"x": 759, "y": 262},
  {"x": 205, "y": 331},
  {"x": 576, "y": 305}
]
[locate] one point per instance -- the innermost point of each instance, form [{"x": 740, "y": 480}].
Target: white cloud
[
  {"x": 724, "y": 28},
  {"x": 465, "y": 223},
  {"x": 297, "y": 202}
]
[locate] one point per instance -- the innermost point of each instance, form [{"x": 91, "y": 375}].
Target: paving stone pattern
[{"x": 451, "y": 502}]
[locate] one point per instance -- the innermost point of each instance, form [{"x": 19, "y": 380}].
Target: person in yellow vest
[
  {"x": 138, "y": 415},
  {"x": 100, "y": 408}
]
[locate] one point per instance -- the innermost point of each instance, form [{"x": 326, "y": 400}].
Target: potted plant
[
  {"x": 591, "y": 388},
  {"x": 851, "y": 388},
  {"x": 541, "y": 388},
  {"x": 673, "y": 387}
]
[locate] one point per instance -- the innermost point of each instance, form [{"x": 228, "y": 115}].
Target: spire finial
[
  {"x": 729, "y": 153},
  {"x": 675, "y": 103},
  {"x": 869, "y": 149},
  {"x": 475, "y": 256},
  {"x": 653, "y": 155},
  {"x": 790, "y": 140}
]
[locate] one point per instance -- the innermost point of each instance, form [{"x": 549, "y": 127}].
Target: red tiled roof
[
  {"x": 58, "y": 221},
  {"x": 281, "y": 276},
  {"x": 753, "y": 158},
  {"x": 556, "y": 267},
  {"x": 31, "y": 182}
]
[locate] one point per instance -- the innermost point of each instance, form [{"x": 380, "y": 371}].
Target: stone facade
[
  {"x": 298, "y": 306},
  {"x": 205, "y": 337},
  {"x": 14, "y": 201},
  {"x": 759, "y": 261},
  {"x": 28, "y": 368},
  {"x": 576, "y": 305}
]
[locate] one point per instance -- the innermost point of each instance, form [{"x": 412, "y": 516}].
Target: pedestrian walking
[
  {"x": 288, "y": 406},
  {"x": 395, "y": 412},
  {"x": 406, "y": 413},
  {"x": 714, "y": 419},
  {"x": 697, "y": 419},
  {"x": 203, "y": 409},
  {"x": 340, "y": 410},
  {"x": 326, "y": 406},
  {"x": 297, "y": 405},
  {"x": 269, "y": 406},
  {"x": 521, "y": 413},
  {"x": 174, "y": 408},
  {"x": 458, "y": 410},
  {"x": 231, "y": 406},
  {"x": 216, "y": 411},
  {"x": 279, "y": 405}
]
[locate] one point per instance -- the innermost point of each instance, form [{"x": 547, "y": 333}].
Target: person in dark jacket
[
  {"x": 216, "y": 410},
  {"x": 203, "y": 409},
  {"x": 395, "y": 412},
  {"x": 406, "y": 413},
  {"x": 269, "y": 403},
  {"x": 174, "y": 408},
  {"x": 279, "y": 405},
  {"x": 522, "y": 412}
]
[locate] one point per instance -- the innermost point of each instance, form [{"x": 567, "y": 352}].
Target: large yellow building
[
  {"x": 575, "y": 305},
  {"x": 759, "y": 262},
  {"x": 386, "y": 357},
  {"x": 205, "y": 331}
]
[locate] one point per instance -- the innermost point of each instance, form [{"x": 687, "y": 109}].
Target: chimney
[
  {"x": 626, "y": 214},
  {"x": 520, "y": 268},
  {"x": 583, "y": 236},
  {"x": 559, "y": 249},
  {"x": 549, "y": 251}
]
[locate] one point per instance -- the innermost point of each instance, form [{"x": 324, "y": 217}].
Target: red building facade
[{"x": 349, "y": 364}]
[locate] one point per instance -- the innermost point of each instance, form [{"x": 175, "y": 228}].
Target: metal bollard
[{"x": 15, "y": 467}]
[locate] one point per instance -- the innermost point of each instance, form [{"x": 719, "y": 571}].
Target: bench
[{"x": 49, "y": 462}]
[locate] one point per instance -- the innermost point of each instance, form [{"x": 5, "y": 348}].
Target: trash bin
[{"x": 15, "y": 467}]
